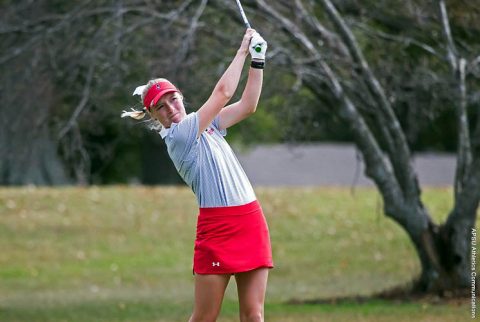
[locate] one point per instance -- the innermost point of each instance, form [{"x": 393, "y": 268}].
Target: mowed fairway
[{"x": 125, "y": 254}]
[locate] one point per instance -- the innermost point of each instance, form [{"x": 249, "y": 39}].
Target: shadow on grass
[{"x": 408, "y": 293}]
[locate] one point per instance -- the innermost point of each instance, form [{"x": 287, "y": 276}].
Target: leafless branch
[
  {"x": 330, "y": 37},
  {"x": 399, "y": 151},
  {"x": 458, "y": 65},
  {"x": 118, "y": 33},
  {"x": 19, "y": 50},
  {"x": 81, "y": 105},
  {"x": 447, "y": 33},
  {"x": 407, "y": 41},
  {"x": 376, "y": 166},
  {"x": 189, "y": 37},
  {"x": 475, "y": 62},
  {"x": 39, "y": 31},
  {"x": 292, "y": 29}
]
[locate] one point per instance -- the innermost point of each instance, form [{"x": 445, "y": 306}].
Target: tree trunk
[
  {"x": 455, "y": 250},
  {"x": 445, "y": 254},
  {"x": 457, "y": 232}
]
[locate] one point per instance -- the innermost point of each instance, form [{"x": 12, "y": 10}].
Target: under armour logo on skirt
[{"x": 215, "y": 263}]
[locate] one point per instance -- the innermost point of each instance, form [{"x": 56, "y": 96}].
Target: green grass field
[{"x": 125, "y": 254}]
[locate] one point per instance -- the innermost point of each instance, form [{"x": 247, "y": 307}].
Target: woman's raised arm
[
  {"x": 226, "y": 86},
  {"x": 247, "y": 104}
]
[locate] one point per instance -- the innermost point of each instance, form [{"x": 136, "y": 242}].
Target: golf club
[{"x": 245, "y": 20}]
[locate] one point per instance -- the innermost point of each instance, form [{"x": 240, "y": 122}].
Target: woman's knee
[
  {"x": 204, "y": 317},
  {"x": 251, "y": 316}
]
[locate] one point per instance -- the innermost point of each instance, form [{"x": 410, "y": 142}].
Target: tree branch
[
  {"x": 291, "y": 28},
  {"x": 117, "y": 38},
  {"x": 399, "y": 152},
  {"x": 81, "y": 105},
  {"x": 189, "y": 37},
  {"x": 377, "y": 167},
  {"x": 407, "y": 41},
  {"x": 324, "y": 33},
  {"x": 467, "y": 202},
  {"x": 457, "y": 65},
  {"x": 451, "y": 49}
]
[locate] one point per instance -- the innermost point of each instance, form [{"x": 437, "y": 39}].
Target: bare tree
[
  {"x": 322, "y": 49},
  {"x": 74, "y": 58}
]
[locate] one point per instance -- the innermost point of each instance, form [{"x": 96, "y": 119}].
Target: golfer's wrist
[{"x": 257, "y": 63}]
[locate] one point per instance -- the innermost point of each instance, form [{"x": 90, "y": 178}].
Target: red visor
[{"x": 157, "y": 91}]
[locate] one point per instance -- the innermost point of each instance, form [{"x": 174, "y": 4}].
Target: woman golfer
[{"x": 232, "y": 234}]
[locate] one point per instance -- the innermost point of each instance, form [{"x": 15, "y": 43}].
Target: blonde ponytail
[
  {"x": 134, "y": 114},
  {"x": 151, "y": 123}
]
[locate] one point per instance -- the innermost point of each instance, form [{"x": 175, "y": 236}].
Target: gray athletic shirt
[{"x": 207, "y": 163}]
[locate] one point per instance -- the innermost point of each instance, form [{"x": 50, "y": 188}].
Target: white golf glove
[{"x": 258, "y": 47}]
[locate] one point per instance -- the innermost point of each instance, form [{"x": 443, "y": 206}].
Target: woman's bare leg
[
  {"x": 209, "y": 292},
  {"x": 251, "y": 288}
]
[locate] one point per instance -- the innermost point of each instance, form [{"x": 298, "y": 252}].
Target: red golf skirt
[{"x": 231, "y": 240}]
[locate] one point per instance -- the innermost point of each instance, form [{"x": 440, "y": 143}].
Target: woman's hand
[
  {"x": 258, "y": 47},
  {"x": 244, "y": 47}
]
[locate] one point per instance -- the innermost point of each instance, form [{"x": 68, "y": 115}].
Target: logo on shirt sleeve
[{"x": 209, "y": 130}]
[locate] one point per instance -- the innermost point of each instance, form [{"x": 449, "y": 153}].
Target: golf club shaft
[{"x": 245, "y": 20}]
